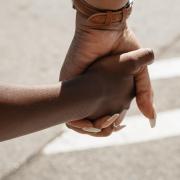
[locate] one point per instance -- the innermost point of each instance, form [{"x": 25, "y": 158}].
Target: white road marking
[
  {"x": 138, "y": 130},
  {"x": 165, "y": 69}
]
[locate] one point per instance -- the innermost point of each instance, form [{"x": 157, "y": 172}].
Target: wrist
[
  {"x": 79, "y": 97},
  {"x": 89, "y": 16},
  {"x": 107, "y": 4}
]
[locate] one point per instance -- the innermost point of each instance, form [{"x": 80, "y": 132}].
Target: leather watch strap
[{"x": 100, "y": 16}]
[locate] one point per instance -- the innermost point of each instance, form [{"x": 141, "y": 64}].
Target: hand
[
  {"x": 113, "y": 77},
  {"x": 90, "y": 43}
]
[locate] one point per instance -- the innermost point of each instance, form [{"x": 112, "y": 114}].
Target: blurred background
[{"x": 34, "y": 38}]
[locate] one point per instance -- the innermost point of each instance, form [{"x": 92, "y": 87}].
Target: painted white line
[
  {"x": 165, "y": 69},
  {"x": 137, "y": 130}
]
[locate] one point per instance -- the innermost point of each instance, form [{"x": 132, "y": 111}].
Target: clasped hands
[{"x": 116, "y": 53}]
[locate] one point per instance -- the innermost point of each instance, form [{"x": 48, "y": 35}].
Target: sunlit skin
[
  {"x": 28, "y": 109},
  {"x": 105, "y": 4},
  {"x": 88, "y": 45}
]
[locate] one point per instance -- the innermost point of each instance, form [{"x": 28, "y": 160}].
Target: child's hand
[{"x": 113, "y": 79}]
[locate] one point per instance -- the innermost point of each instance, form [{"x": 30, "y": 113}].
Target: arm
[
  {"x": 107, "y": 4},
  {"x": 106, "y": 87},
  {"x": 24, "y": 110},
  {"x": 98, "y": 33}
]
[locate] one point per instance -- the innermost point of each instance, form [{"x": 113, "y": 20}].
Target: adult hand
[{"x": 89, "y": 44}]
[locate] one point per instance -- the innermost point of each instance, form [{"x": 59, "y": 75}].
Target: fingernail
[
  {"x": 152, "y": 123},
  {"x": 115, "y": 116},
  {"x": 153, "y": 120},
  {"x": 151, "y": 53},
  {"x": 122, "y": 115},
  {"x": 120, "y": 127},
  {"x": 123, "y": 126},
  {"x": 92, "y": 130},
  {"x": 110, "y": 120}
]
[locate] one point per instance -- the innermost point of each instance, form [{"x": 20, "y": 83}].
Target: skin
[
  {"x": 28, "y": 109},
  {"x": 104, "y": 4},
  {"x": 88, "y": 45}
]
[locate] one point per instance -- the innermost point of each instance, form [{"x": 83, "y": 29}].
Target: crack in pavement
[{"x": 30, "y": 158}]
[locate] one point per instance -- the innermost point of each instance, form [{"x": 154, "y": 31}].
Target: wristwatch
[{"x": 129, "y": 3}]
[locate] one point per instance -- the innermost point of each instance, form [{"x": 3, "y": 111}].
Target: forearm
[
  {"x": 25, "y": 110},
  {"x": 107, "y": 4}
]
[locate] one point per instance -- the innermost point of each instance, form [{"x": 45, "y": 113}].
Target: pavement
[{"x": 34, "y": 38}]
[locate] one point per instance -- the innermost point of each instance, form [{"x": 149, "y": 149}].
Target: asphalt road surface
[{"x": 34, "y": 38}]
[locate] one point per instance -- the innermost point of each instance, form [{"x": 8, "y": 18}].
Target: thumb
[{"x": 135, "y": 60}]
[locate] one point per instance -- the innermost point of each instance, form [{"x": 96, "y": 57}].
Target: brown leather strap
[
  {"x": 83, "y": 7},
  {"x": 100, "y": 16}
]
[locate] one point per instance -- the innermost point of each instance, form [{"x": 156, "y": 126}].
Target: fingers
[
  {"x": 104, "y": 132},
  {"x": 105, "y": 126},
  {"x": 117, "y": 124},
  {"x": 84, "y": 123},
  {"x": 77, "y": 129},
  {"x": 144, "y": 95},
  {"x": 118, "y": 128},
  {"x": 121, "y": 118},
  {"x": 110, "y": 125},
  {"x": 88, "y": 126},
  {"x": 105, "y": 121},
  {"x": 135, "y": 60}
]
